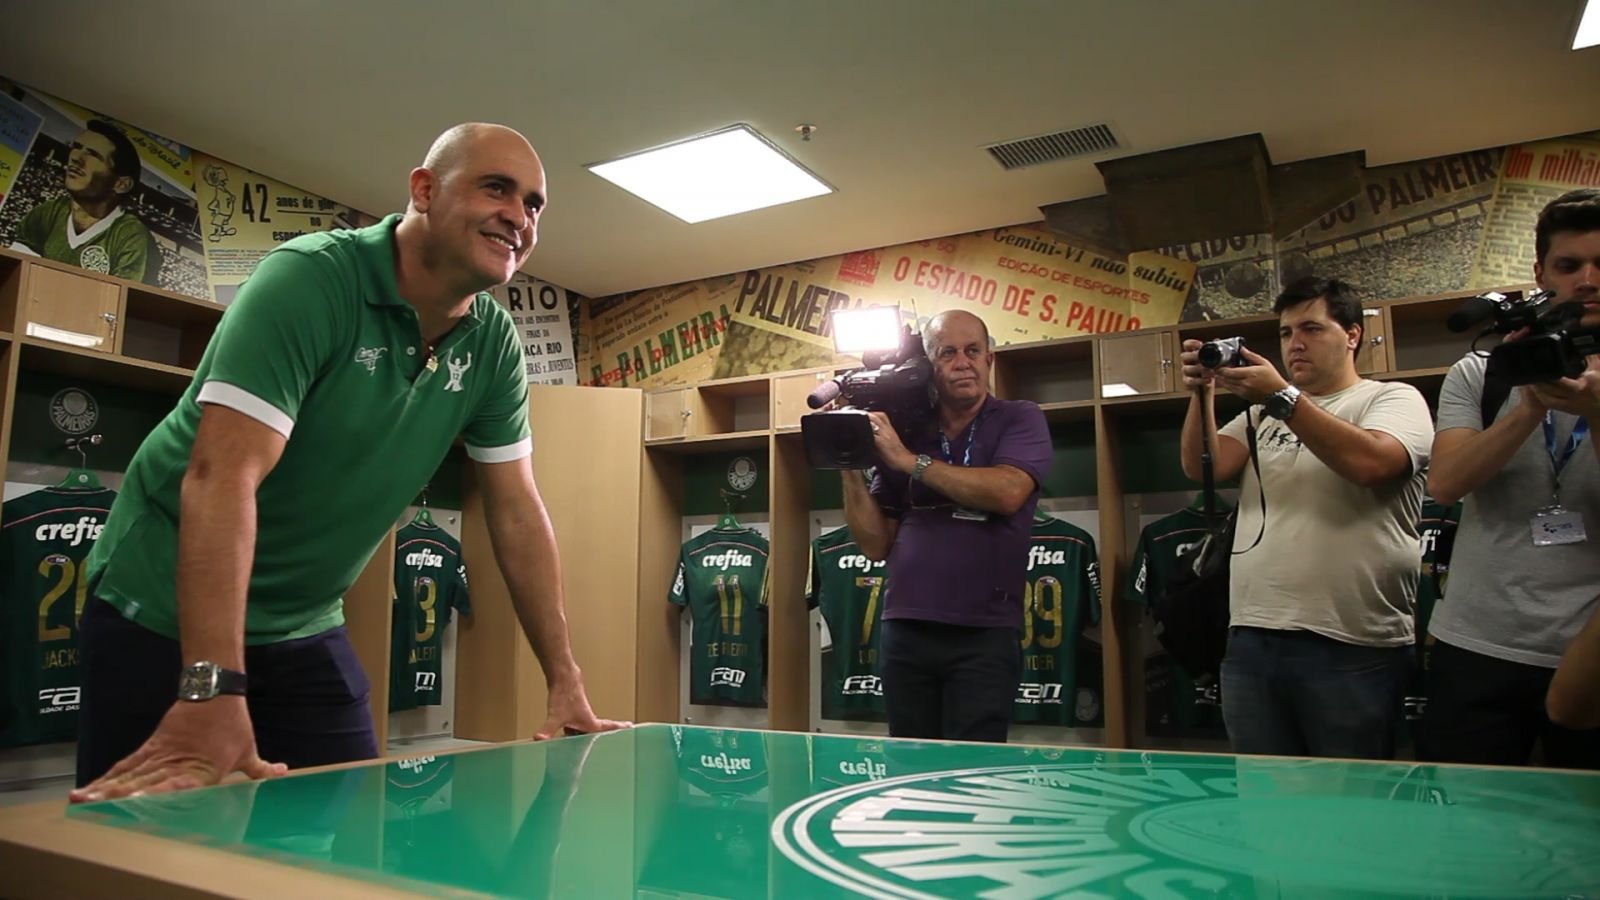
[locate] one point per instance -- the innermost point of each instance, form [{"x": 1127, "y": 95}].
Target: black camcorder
[
  {"x": 1553, "y": 348},
  {"x": 1223, "y": 352},
  {"x": 896, "y": 382}
]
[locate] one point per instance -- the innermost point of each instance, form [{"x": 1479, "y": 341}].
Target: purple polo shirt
[{"x": 945, "y": 568}]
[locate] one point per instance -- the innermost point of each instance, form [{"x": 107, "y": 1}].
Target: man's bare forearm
[
  {"x": 216, "y": 548},
  {"x": 1479, "y": 457},
  {"x": 993, "y": 489},
  {"x": 873, "y": 531},
  {"x": 525, "y": 548}
]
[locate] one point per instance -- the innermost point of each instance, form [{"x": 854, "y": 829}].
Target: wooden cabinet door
[
  {"x": 71, "y": 309},
  {"x": 1136, "y": 364}
]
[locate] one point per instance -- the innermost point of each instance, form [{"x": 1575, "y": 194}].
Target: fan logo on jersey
[
  {"x": 1039, "y": 556},
  {"x": 862, "y": 685},
  {"x": 59, "y": 699},
  {"x": 420, "y": 559},
  {"x": 860, "y": 561},
  {"x": 725, "y": 676},
  {"x": 1033, "y": 693},
  {"x": 369, "y": 356},
  {"x": 457, "y": 369},
  {"x": 728, "y": 765},
  {"x": 87, "y": 528},
  {"x": 724, "y": 561}
]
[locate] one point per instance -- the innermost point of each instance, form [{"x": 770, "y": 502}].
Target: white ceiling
[{"x": 342, "y": 97}]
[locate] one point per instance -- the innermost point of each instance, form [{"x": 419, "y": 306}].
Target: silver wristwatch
[
  {"x": 1282, "y": 404},
  {"x": 923, "y": 462},
  {"x": 206, "y": 680}
]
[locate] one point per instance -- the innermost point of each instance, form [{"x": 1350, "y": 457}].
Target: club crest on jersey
[
  {"x": 726, "y": 560},
  {"x": 457, "y": 369},
  {"x": 424, "y": 559},
  {"x": 87, "y": 528},
  {"x": 860, "y": 561},
  {"x": 1039, "y": 556},
  {"x": 95, "y": 258},
  {"x": 722, "y": 762},
  {"x": 369, "y": 356}
]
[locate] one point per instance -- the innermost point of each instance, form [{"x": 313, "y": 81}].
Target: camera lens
[{"x": 1211, "y": 354}]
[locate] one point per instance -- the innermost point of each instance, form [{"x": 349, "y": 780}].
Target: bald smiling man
[{"x": 213, "y": 641}]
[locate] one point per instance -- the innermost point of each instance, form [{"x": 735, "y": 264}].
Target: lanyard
[
  {"x": 966, "y": 456},
  {"x": 1557, "y": 463}
]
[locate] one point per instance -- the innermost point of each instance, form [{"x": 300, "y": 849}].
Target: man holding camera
[
  {"x": 951, "y": 514},
  {"x": 1320, "y": 610},
  {"x": 1525, "y": 572}
]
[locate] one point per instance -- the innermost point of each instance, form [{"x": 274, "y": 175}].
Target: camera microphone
[
  {"x": 1472, "y": 311},
  {"x": 824, "y": 394}
]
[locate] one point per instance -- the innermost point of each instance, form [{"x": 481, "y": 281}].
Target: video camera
[
  {"x": 1223, "y": 352},
  {"x": 1554, "y": 347},
  {"x": 897, "y": 382}
]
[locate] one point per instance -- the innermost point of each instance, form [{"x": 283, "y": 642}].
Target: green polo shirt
[{"x": 319, "y": 346}]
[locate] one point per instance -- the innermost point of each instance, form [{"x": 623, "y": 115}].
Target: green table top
[{"x": 667, "y": 811}]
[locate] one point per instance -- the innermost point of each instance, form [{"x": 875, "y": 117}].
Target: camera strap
[
  {"x": 1557, "y": 463},
  {"x": 1255, "y": 463}
]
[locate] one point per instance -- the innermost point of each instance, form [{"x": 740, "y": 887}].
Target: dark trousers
[
  {"x": 1491, "y": 711},
  {"x": 307, "y": 697},
  {"x": 1295, "y": 693},
  {"x": 949, "y": 682}
]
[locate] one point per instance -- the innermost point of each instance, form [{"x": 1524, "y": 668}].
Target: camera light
[{"x": 856, "y": 331}]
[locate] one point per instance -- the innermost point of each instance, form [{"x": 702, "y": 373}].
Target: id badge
[
  {"x": 969, "y": 515},
  {"x": 1554, "y": 525}
]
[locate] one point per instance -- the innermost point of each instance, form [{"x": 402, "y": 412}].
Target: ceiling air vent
[{"x": 1086, "y": 141}]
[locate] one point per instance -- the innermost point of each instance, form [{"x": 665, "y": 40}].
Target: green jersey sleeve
[
  {"x": 499, "y": 431},
  {"x": 276, "y": 339}
]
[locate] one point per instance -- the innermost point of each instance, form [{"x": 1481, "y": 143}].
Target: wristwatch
[
  {"x": 1282, "y": 404},
  {"x": 923, "y": 462},
  {"x": 205, "y": 680}
]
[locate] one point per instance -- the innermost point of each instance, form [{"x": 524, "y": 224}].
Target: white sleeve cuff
[
  {"x": 20, "y": 247},
  {"x": 508, "y": 453},
  {"x": 236, "y": 398}
]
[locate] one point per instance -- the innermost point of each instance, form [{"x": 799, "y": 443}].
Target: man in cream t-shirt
[{"x": 1321, "y": 607}]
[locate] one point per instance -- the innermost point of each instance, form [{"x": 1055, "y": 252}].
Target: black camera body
[
  {"x": 1553, "y": 348},
  {"x": 896, "y": 382},
  {"x": 1223, "y": 353}
]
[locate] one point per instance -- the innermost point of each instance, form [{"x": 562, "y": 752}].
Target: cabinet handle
[
  {"x": 1166, "y": 364},
  {"x": 1376, "y": 341},
  {"x": 111, "y": 320}
]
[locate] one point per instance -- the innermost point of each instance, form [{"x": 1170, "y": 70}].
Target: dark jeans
[
  {"x": 949, "y": 682},
  {"x": 307, "y": 697},
  {"x": 1490, "y": 711},
  {"x": 1295, "y": 693}
]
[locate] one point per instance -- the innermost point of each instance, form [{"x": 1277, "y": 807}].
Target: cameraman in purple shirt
[{"x": 952, "y": 515}]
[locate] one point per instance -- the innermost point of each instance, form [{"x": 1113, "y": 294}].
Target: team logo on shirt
[
  {"x": 369, "y": 356},
  {"x": 457, "y": 369},
  {"x": 95, "y": 258}
]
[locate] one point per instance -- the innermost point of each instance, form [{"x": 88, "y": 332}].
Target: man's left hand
[
  {"x": 1255, "y": 382},
  {"x": 1578, "y": 396},
  {"x": 891, "y": 451},
  {"x": 570, "y": 714}
]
